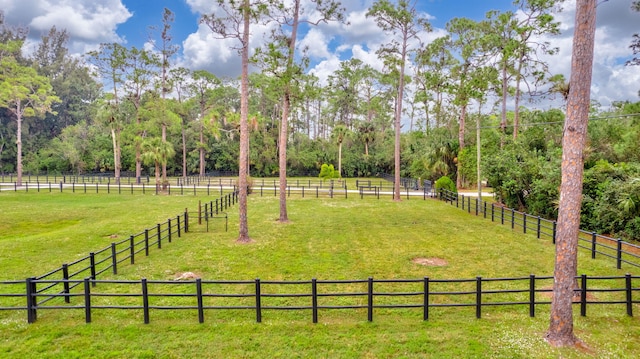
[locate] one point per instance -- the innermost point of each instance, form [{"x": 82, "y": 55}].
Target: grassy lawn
[{"x": 326, "y": 239}]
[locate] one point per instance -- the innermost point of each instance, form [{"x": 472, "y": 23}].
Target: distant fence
[
  {"x": 410, "y": 183},
  {"x": 126, "y": 177},
  {"x": 304, "y": 188},
  {"x": 216, "y": 209},
  {"x": 614, "y": 248},
  {"x": 117, "y": 188},
  {"x": 259, "y": 296},
  {"x": 101, "y": 178}
]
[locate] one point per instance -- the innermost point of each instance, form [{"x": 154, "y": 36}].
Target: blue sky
[{"x": 91, "y": 22}]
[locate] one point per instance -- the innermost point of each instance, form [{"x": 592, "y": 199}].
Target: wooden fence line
[
  {"x": 259, "y": 296},
  {"x": 614, "y": 248}
]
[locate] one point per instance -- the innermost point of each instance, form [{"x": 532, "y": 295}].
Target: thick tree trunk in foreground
[{"x": 575, "y": 131}]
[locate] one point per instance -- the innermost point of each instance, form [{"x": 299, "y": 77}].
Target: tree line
[{"x": 129, "y": 109}]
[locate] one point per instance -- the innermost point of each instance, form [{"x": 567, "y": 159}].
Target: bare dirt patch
[
  {"x": 430, "y": 262},
  {"x": 186, "y": 276}
]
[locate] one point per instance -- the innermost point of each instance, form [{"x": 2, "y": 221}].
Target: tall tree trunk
[
  {"x": 340, "y": 158},
  {"x": 575, "y": 132},
  {"x": 243, "y": 236},
  {"x": 138, "y": 164},
  {"x": 503, "y": 110},
  {"x": 19, "y": 143},
  {"x": 398, "y": 117},
  {"x": 184, "y": 154},
  {"x": 282, "y": 157},
  {"x": 463, "y": 116},
  {"x": 202, "y": 161},
  {"x": 284, "y": 125},
  {"x": 516, "y": 110},
  {"x": 164, "y": 140},
  {"x": 116, "y": 154}
]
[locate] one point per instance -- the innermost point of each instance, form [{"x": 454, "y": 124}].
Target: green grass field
[{"x": 327, "y": 239}]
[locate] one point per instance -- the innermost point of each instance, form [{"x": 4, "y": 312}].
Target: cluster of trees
[
  {"x": 139, "y": 95},
  {"x": 124, "y": 108},
  {"x": 130, "y": 109}
]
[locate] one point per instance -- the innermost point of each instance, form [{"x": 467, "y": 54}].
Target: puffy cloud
[
  {"x": 316, "y": 43},
  {"x": 87, "y": 22},
  {"x": 615, "y": 24}
]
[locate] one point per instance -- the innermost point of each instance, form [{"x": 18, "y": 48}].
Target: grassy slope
[{"x": 327, "y": 239}]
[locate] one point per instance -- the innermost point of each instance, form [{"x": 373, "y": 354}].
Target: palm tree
[
  {"x": 339, "y": 133},
  {"x": 157, "y": 152},
  {"x": 367, "y": 134}
]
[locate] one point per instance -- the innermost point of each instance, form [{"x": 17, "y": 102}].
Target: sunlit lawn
[{"x": 326, "y": 239}]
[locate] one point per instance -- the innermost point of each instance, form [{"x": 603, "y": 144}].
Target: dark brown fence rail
[
  {"x": 425, "y": 295},
  {"x": 598, "y": 245},
  {"x": 117, "y": 188}
]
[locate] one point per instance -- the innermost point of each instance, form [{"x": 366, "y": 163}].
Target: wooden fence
[
  {"x": 424, "y": 295},
  {"x": 118, "y": 188},
  {"x": 598, "y": 245}
]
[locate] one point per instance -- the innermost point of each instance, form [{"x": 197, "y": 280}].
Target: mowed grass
[{"x": 326, "y": 239}]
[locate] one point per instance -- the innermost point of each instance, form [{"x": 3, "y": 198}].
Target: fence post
[
  {"x": 200, "y": 301},
  {"x": 478, "y": 297},
  {"x": 258, "y": 302},
  {"x": 593, "y": 245},
  {"x": 186, "y": 220},
  {"x": 524, "y": 222},
  {"x": 178, "y": 226},
  {"x": 65, "y": 284},
  {"x": 583, "y": 296},
  {"x": 555, "y": 227},
  {"x": 619, "y": 254},
  {"x": 485, "y": 209},
  {"x": 92, "y": 261},
  {"x": 200, "y": 212},
  {"x": 425, "y": 310},
  {"x": 158, "y": 229},
  {"x": 314, "y": 300},
  {"x": 538, "y": 230},
  {"x": 513, "y": 218},
  {"x": 169, "y": 230},
  {"x": 370, "y": 299},
  {"x": 145, "y": 300},
  {"x": 627, "y": 279},
  {"x": 146, "y": 242},
  {"x": 87, "y": 301},
  {"x": 114, "y": 260},
  {"x": 32, "y": 312},
  {"x": 132, "y": 250},
  {"x": 502, "y": 215},
  {"x": 532, "y": 295}
]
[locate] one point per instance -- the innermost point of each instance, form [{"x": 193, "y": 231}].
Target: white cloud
[
  {"x": 611, "y": 81},
  {"x": 87, "y": 22},
  {"x": 317, "y": 44},
  {"x": 326, "y": 68}
]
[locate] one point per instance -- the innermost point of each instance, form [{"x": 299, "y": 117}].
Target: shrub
[
  {"x": 328, "y": 172},
  {"x": 446, "y": 183}
]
